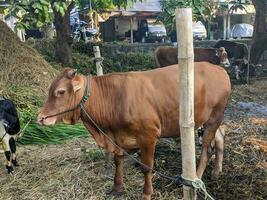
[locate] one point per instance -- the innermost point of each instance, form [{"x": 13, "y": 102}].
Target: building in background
[
  {"x": 124, "y": 23},
  {"x": 227, "y": 18}
]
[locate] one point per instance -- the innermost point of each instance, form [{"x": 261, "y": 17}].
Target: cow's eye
[{"x": 60, "y": 92}]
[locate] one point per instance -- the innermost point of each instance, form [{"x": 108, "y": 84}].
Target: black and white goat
[{"x": 9, "y": 128}]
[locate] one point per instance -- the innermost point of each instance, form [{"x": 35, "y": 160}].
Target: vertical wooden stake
[
  {"x": 99, "y": 69},
  {"x": 186, "y": 95},
  {"x": 131, "y": 29}
]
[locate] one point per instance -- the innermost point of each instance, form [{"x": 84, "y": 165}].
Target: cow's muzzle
[{"x": 43, "y": 120}]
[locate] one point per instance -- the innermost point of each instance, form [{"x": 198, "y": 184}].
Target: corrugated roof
[{"x": 144, "y": 6}]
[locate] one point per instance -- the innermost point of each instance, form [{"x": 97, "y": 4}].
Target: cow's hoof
[
  {"x": 116, "y": 193},
  {"x": 15, "y": 163},
  {"x": 146, "y": 197},
  {"x": 9, "y": 169},
  {"x": 216, "y": 173}
]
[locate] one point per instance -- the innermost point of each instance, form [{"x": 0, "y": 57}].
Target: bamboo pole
[
  {"x": 186, "y": 95},
  {"x": 131, "y": 28},
  {"x": 99, "y": 69}
]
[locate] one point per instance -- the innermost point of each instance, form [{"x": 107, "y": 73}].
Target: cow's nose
[{"x": 40, "y": 119}]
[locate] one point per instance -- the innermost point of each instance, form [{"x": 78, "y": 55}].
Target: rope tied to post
[
  {"x": 197, "y": 184},
  {"x": 99, "y": 60}
]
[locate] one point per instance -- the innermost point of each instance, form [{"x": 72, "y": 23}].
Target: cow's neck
[{"x": 100, "y": 104}]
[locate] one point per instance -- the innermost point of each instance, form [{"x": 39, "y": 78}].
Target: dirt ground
[{"x": 76, "y": 170}]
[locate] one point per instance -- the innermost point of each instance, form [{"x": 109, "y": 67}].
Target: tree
[
  {"x": 39, "y": 13},
  {"x": 203, "y": 10},
  {"x": 259, "y": 40}
]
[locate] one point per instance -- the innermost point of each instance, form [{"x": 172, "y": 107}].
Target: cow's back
[{"x": 167, "y": 55}]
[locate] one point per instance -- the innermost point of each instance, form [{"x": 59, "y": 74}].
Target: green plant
[{"x": 58, "y": 134}]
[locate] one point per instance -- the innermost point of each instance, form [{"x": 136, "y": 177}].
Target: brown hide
[
  {"x": 167, "y": 55},
  {"x": 137, "y": 108},
  {"x": 129, "y": 104}
]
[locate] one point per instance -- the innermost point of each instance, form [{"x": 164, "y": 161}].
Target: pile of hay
[{"x": 21, "y": 66}]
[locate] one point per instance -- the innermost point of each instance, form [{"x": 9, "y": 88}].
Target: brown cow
[
  {"x": 135, "y": 109},
  {"x": 167, "y": 55}
]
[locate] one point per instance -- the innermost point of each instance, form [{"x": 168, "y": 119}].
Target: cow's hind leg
[
  {"x": 118, "y": 187},
  {"x": 12, "y": 145},
  {"x": 219, "y": 147},
  {"x": 210, "y": 128},
  {"x": 147, "y": 158}
]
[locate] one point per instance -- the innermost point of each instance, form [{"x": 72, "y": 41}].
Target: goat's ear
[{"x": 72, "y": 73}]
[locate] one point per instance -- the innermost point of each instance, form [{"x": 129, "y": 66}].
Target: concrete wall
[{"x": 123, "y": 25}]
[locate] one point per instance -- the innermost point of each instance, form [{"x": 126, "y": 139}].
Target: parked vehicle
[
  {"x": 242, "y": 31},
  {"x": 151, "y": 32},
  {"x": 82, "y": 32},
  {"x": 199, "y": 31}
]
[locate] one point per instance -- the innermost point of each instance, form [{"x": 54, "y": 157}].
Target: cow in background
[
  {"x": 167, "y": 55},
  {"x": 9, "y": 128},
  {"x": 238, "y": 54}
]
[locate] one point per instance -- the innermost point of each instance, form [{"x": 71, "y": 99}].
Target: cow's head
[
  {"x": 223, "y": 57},
  {"x": 65, "y": 93}
]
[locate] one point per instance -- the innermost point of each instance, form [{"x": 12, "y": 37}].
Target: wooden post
[
  {"x": 99, "y": 69},
  {"x": 131, "y": 29},
  {"x": 186, "y": 95},
  {"x": 224, "y": 26}
]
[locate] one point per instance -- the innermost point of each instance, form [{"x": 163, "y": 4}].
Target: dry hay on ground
[
  {"x": 21, "y": 65},
  {"x": 70, "y": 172}
]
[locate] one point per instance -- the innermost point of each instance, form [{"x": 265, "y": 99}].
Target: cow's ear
[
  {"x": 76, "y": 85},
  {"x": 72, "y": 73}
]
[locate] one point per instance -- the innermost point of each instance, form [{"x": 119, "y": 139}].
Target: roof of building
[{"x": 144, "y": 6}]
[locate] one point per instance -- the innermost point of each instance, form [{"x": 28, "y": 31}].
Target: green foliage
[
  {"x": 131, "y": 62},
  {"x": 31, "y": 13},
  {"x": 83, "y": 63},
  {"x": 39, "y": 13},
  {"x": 58, "y": 134},
  {"x": 83, "y": 57},
  {"x": 203, "y": 10}
]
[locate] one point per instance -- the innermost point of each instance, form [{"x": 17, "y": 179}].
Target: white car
[
  {"x": 242, "y": 31},
  {"x": 199, "y": 30}
]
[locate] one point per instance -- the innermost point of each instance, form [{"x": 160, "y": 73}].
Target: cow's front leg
[
  {"x": 147, "y": 157},
  {"x": 118, "y": 187},
  {"x": 7, "y": 151},
  {"x": 12, "y": 145}
]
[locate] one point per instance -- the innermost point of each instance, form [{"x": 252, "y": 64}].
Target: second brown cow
[{"x": 167, "y": 55}]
